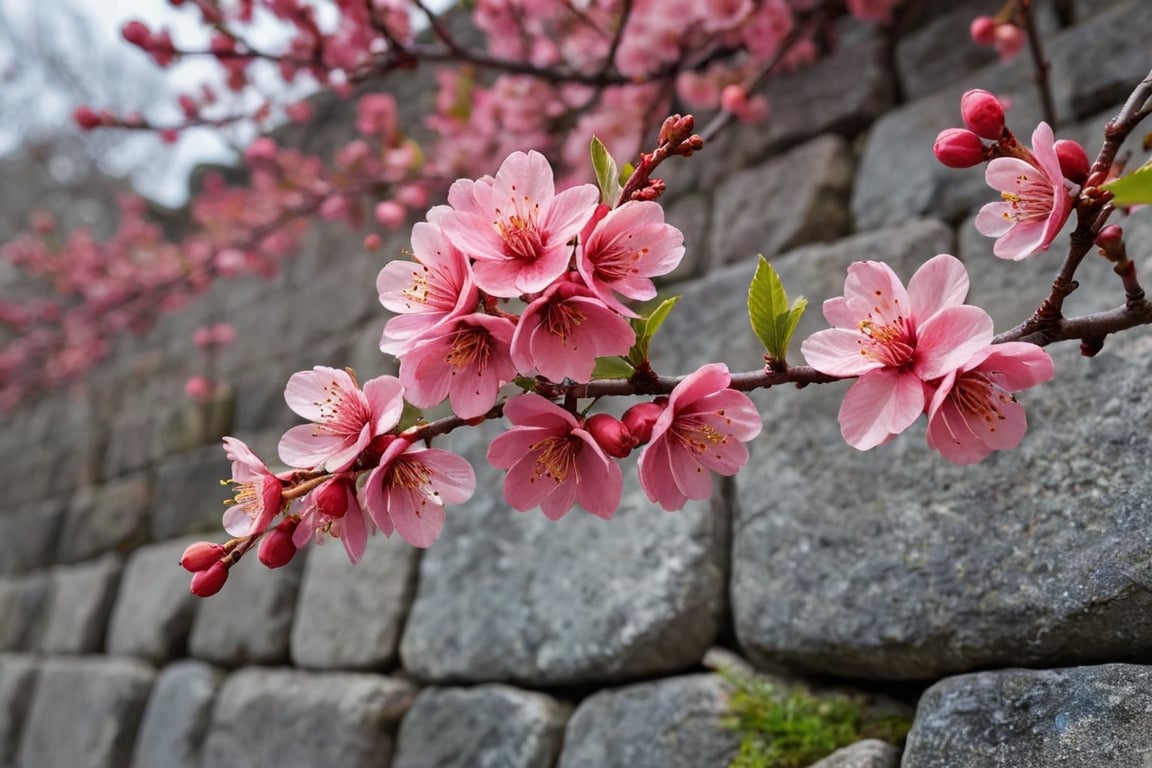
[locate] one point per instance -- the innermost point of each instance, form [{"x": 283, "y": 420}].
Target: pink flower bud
[
  {"x": 209, "y": 581},
  {"x": 86, "y": 118},
  {"x": 640, "y": 418},
  {"x": 223, "y": 334},
  {"x": 1111, "y": 243},
  {"x": 136, "y": 33},
  {"x": 332, "y": 498},
  {"x": 733, "y": 99},
  {"x": 200, "y": 556},
  {"x": 199, "y": 388},
  {"x": 983, "y": 113},
  {"x": 390, "y": 214},
  {"x": 958, "y": 148},
  {"x": 1009, "y": 41},
  {"x": 610, "y": 434},
  {"x": 983, "y": 30},
  {"x": 372, "y": 242},
  {"x": 262, "y": 149},
  {"x": 1073, "y": 160},
  {"x": 276, "y": 548}
]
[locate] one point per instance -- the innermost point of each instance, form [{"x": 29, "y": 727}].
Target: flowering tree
[{"x": 519, "y": 301}]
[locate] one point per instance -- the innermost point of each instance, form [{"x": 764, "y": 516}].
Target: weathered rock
[
  {"x": 870, "y": 753},
  {"x": 690, "y": 214},
  {"x": 250, "y": 620},
  {"x": 672, "y": 723},
  {"x": 17, "y": 684},
  {"x": 481, "y": 727},
  {"x": 154, "y": 610},
  {"x": 594, "y": 600},
  {"x": 112, "y": 516},
  {"x": 37, "y": 527},
  {"x": 188, "y": 497},
  {"x": 1087, "y": 717},
  {"x": 798, "y": 197},
  {"x": 80, "y": 601},
  {"x": 85, "y": 712},
  {"x": 22, "y": 600},
  {"x": 177, "y": 716},
  {"x": 350, "y": 617},
  {"x": 322, "y": 719}
]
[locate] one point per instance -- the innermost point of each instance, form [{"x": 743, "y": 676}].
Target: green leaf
[
  {"x": 1133, "y": 189},
  {"x": 607, "y": 174},
  {"x": 646, "y": 327},
  {"x": 613, "y": 367},
  {"x": 773, "y": 320}
]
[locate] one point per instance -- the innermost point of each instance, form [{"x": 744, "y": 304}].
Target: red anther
[
  {"x": 958, "y": 148},
  {"x": 201, "y": 555},
  {"x": 210, "y": 581},
  {"x": 610, "y": 434},
  {"x": 640, "y": 418},
  {"x": 983, "y": 113}
]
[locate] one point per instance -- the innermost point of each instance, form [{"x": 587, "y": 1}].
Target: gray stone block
[
  {"x": 322, "y": 719},
  {"x": 1088, "y": 717},
  {"x": 672, "y": 723},
  {"x": 176, "y": 719},
  {"x": 22, "y": 602},
  {"x": 188, "y": 497},
  {"x": 17, "y": 684},
  {"x": 112, "y": 516},
  {"x": 85, "y": 712},
  {"x": 80, "y": 601},
  {"x": 870, "y": 753},
  {"x": 482, "y": 727},
  {"x": 37, "y": 527},
  {"x": 154, "y": 610},
  {"x": 350, "y": 617}
]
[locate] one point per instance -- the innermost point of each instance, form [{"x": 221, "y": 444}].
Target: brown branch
[{"x": 1040, "y": 63}]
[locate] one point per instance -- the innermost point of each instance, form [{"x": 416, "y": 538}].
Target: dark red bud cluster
[
  {"x": 206, "y": 561},
  {"x": 640, "y": 418},
  {"x": 958, "y": 148},
  {"x": 277, "y": 548},
  {"x": 610, "y": 434}
]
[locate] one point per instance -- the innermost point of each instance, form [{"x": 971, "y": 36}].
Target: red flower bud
[
  {"x": 201, "y": 556},
  {"x": 610, "y": 434},
  {"x": 332, "y": 498},
  {"x": 1110, "y": 241},
  {"x": 136, "y": 33},
  {"x": 210, "y": 581},
  {"x": 958, "y": 148},
  {"x": 640, "y": 418},
  {"x": 1073, "y": 160},
  {"x": 983, "y": 30},
  {"x": 276, "y": 548},
  {"x": 86, "y": 118},
  {"x": 983, "y": 113}
]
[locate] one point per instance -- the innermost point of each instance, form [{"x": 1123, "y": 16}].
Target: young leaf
[
  {"x": 1133, "y": 189},
  {"x": 607, "y": 174},
  {"x": 613, "y": 367},
  {"x": 773, "y": 320},
  {"x": 646, "y": 327}
]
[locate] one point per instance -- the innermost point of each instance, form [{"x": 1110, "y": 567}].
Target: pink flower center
[
  {"x": 555, "y": 457},
  {"x": 977, "y": 395},
  {"x": 615, "y": 265},
  {"x": 892, "y": 344},
  {"x": 431, "y": 290},
  {"x": 1032, "y": 200},
  {"x": 521, "y": 234},
  {"x": 416, "y": 478},
  {"x": 562, "y": 319},
  {"x": 248, "y": 497},
  {"x": 471, "y": 347},
  {"x": 341, "y": 412},
  {"x": 697, "y": 435}
]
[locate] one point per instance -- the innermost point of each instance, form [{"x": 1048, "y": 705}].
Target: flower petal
[
  {"x": 881, "y": 404},
  {"x": 941, "y": 282}
]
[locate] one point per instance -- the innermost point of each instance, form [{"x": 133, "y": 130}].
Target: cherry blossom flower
[
  {"x": 257, "y": 495},
  {"x": 973, "y": 411},
  {"x": 517, "y": 229},
  {"x": 407, "y": 491},
  {"x": 625, "y": 249},
  {"x": 465, "y": 360},
  {"x": 436, "y": 287},
  {"x": 333, "y": 510},
  {"x": 553, "y": 462},
  {"x": 895, "y": 340},
  {"x": 345, "y": 418},
  {"x": 704, "y": 426},
  {"x": 561, "y": 334},
  {"x": 1036, "y": 200}
]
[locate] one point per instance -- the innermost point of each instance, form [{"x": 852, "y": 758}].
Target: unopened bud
[
  {"x": 640, "y": 418},
  {"x": 610, "y": 434},
  {"x": 1009, "y": 41},
  {"x": 136, "y": 33},
  {"x": 983, "y": 113},
  {"x": 1073, "y": 160},
  {"x": 983, "y": 30},
  {"x": 390, "y": 214},
  {"x": 86, "y": 118},
  {"x": 332, "y": 498},
  {"x": 209, "y": 581},
  {"x": 201, "y": 556},
  {"x": 958, "y": 148},
  {"x": 1110, "y": 241},
  {"x": 276, "y": 548}
]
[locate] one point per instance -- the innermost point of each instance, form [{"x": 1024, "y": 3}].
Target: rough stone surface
[
  {"x": 350, "y": 617},
  {"x": 796, "y": 198},
  {"x": 108, "y": 517},
  {"x": 672, "y": 723},
  {"x": 489, "y": 726},
  {"x": 17, "y": 684},
  {"x": 154, "y": 610},
  {"x": 309, "y": 710},
  {"x": 79, "y": 605},
  {"x": 250, "y": 620},
  {"x": 1085, "y": 717},
  {"x": 85, "y": 712},
  {"x": 188, "y": 496},
  {"x": 176, "y": 719},
  {"x": 36, "y": 527},
  {"x": 594, "y": 600},
  {"x": 870, "y": 753},
  {"x": 22, "y": 600}
]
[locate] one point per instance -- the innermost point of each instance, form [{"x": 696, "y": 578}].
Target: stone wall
[{"x": 1016, "y": 592}]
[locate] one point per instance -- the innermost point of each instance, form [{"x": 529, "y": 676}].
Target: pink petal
[
  {"x": 704, "y": 381},
  {"x": 839, "y": 313},
  {"x": 1003, "y": 173},
  {"x": 556, "y": 504},
  {"x": 354, "y": 531},
  {"x": 838, "y": 352},
  {"x": 524, "y": 175},
  {"x": 949, "y": 339},
  {"x": 874, "y": 287},
  {"x": 693, "y": 480},
  {"x": 1023, "y": 240},
  {"x": 523, "y": 488},
  {"x": 994, "y": 220},
  {"x": 510, "y": 447},
  {"x": 941, "y": 282},
  {"x": 306, "y": 390},
  {"x": 568, "y": 212},
  {"x": 418, "y": 517},
  {"x": 878, "y": 405},
  {"x": 1018, "y": 365},
  {"x": 452, "y": 476},
  {"x": 599, "y": 486},
  {"x": 531, "y": 409},
  {"x": 300, "y": 448},
  {"x": 385, "y": 395},
  {"x": 655, "y": 469}
]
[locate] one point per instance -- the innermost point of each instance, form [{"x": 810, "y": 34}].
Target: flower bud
[
  {"x": 332, "y": 498},
  {"x": 958, "y": 148},
  {"x": 610, "y": 434},
  {"x": 640, "y": 418},
  {"x": 983, "y": 30},
  {"x": 983, "y": 113},
  {"x": 209, "y": 581},
  {"x": 390, "y": 214},
  {"x": 1110, "y": 241},
  {"x": 86, "y": 118},
  {"x": 1073, "y": 160},
  {"x": 1009, "y": 41},
  {"x": 201, "y": 555},
  {"x": 136, "y": 33},
  {"x": 276, "y": 548}
]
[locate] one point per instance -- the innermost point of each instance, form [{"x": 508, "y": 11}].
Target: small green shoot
[
  {"x": 607, "y": 173},
  {"x": 773, "y": 320},
  {"x": 1133, "y": 189},
  {"x": 645, "y": 328}
]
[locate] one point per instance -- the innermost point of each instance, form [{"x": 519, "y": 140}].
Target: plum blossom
[
  {"x": 553, "y": 462},
  {"x": 408, "y": 489},
  {"x": 517, "y": 229},
  {"x": 333, "y": 510},
  {"x": 344, "y": 418},
  {"x": 1036, "y": 200},
  {"x": 895, "y": 340},
  {"x": 257, "y": 497},
  {"x": 973, "y": 411},
  {"x": 704, "y": 426}
]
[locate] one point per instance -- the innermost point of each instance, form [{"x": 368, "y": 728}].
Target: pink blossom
[
  {"x": 1035, "y": 204},
  {"x": 257, "y": 494},
  {"x": 894, "y": 341},
  {"x": 973, "y": 411},
  {"x": 409, "y": 488},
  {"x": 465, "y": 360},
  {"x": 437, "y": 286},
  {"x": 333, "y": 510},
  {"x": 704, "y": 426},
  {"x": 518, "y": 229},
  {"x": 625, "y": 249},
  {"x": 561, "y": 334},
  {"x": 553, "y": 462},
  {"x": 344, "y": 418}
]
